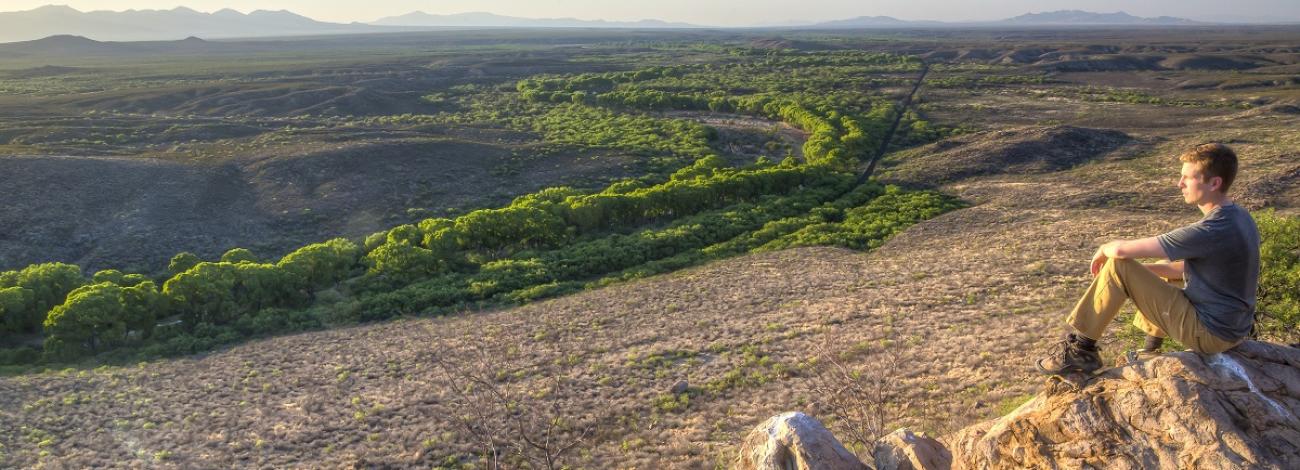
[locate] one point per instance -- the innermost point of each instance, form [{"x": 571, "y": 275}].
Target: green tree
[
  {"x": 46, "y": 285},
  {"x": 238, "y": 255},
  {"x": 182, "y": 262},
  {"x": 505, "y": 229},
  {"x": 112, "y": 276},
  {"x": 14, "y": 302},
  {"x": 402, "y": 263},
  {"x": 408, "y": 234},
  {"x": 374, "y": 240},
  {"x": 132, "y": 279},
  {"x": 101, "y": 316},
  {"x": 439, "y": 236},
  {"x": 322, "y": 264},
  {"x": 144, "y": 304},
  {"x": 220, "y": 293}
]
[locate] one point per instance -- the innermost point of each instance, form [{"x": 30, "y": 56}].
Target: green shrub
[
  {"x": 27, "y": 296},
  {"x": 276, "y": 320},
  {"x": 102, "y": 316},
  {"x": 408, "y": 234},
  {"x": 14, "y": 302},
  {"x": 238, "y": 255},
  {"x": 19, "y": 356},
  {"x": 182, "y": 262},
  {"x": 1278, "y": 307},
  {"x": 322, "y": 264},
  {"x": 220, "y": 293},
  {"x": 108, "y": 275},
  {"x": 869, "y": 225},
  {"x": 401, "y": 263},
  {"x": 114, "y": 276},
  {"x": 374, "y": 240}
]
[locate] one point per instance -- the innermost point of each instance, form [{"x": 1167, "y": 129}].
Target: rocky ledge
[{"x": 1178, "y": 411}]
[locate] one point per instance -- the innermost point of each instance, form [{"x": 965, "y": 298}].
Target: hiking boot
[
  {"x": 1069, "y": 356},
  {"x": 1135, "y": 356}
]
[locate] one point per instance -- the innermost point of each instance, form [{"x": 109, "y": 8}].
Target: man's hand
[
  {"x": 1098, "y": 260},
  {"x": 1122, "y": 249}
]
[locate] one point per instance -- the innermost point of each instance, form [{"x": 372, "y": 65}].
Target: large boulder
[
  {"x": 905, "y": 450},
  {"x": 1177, "y": 411},
  {"x": 794, "y": 441}
]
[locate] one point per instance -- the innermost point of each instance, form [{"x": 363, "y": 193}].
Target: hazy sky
[{"x": 713, "y": 12}]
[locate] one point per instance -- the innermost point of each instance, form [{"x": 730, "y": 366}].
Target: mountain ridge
[
  {"x": 1049, "y": 18},
  {"x": 486, "y": 19},
  {"x": 181, "y": 22},
  {"x": 1081, "y": 17},
  {"x": 153, "y": 25}
]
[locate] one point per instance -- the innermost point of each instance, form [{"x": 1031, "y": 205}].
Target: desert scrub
[
  {"x": 669, "y": 403},
  {"x": 660, "y": 360},
  {"x": 869, "y": 225},
  {"x": 756, "y": 368},
  {"x": 587, "y": 126},
  {"x": 1278, "y": 308}
]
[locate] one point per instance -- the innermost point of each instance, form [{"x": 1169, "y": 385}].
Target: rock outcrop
[
  {"x": 1177, "y": 411},
  {"x": 794, "y": 441},
  {"x": 1183, "y": 410},
  {"x": 905, "y": 450}
]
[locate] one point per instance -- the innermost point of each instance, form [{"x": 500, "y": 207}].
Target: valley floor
[{"x": 964, "y": 302}]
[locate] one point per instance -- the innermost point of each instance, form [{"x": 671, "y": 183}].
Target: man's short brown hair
[{"x": 1213, "y": 159}]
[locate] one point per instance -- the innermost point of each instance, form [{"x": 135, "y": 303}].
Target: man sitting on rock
[{"x": 1218, "y": 257}]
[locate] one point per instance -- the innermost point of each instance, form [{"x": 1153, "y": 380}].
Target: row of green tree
[
  {"x": 585, "y": 126},
  {"x": 238, "y": 296},
  {"x": 79, "y": 315},
  {"x": 532, "y": 273},
  {"x": 837, "y": 136},
  {"x": 560, "y": 216}
]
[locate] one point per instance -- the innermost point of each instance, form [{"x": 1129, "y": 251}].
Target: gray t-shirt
[{"x": 1220, "y": 256}]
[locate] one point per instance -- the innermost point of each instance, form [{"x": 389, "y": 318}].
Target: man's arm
[
  {"x": 1127, "y": 249},
  {"x": 1172, "y": 271}
]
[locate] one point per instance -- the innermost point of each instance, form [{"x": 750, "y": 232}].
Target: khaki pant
[{"x": 1163, "y": 309}]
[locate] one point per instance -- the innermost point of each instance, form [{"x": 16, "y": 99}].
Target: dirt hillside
[{"x": 966, "y": 301}]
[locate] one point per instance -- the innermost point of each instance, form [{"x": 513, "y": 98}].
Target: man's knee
[{"x": 1121, "y": 266}]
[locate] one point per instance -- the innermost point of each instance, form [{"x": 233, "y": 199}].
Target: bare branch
[
  {"x": 501, "y": 415},
  {"x": 859, "y": 395}
]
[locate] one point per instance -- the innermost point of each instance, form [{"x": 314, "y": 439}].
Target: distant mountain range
[
  {"x": 146, "y": 25},
  {"x": 1052, "y": 18},
  {"x": 181, "y": 22},
  {"x": 481, "y": 19},
  {"x": 1077, "y": 17}
]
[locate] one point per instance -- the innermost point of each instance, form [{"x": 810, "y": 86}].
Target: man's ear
[{"x": 1216, "y": 183}]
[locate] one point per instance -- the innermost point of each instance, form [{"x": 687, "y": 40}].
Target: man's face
[{"x": 1194, "y": 187}]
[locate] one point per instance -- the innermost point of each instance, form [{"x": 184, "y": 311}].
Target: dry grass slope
[{"x": 966, "y": 300}]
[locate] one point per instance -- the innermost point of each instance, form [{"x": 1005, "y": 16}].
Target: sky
[{"x": 713, "y": 12}]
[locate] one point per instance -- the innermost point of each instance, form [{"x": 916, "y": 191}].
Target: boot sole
[{"x": 1064, "y": 371}]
